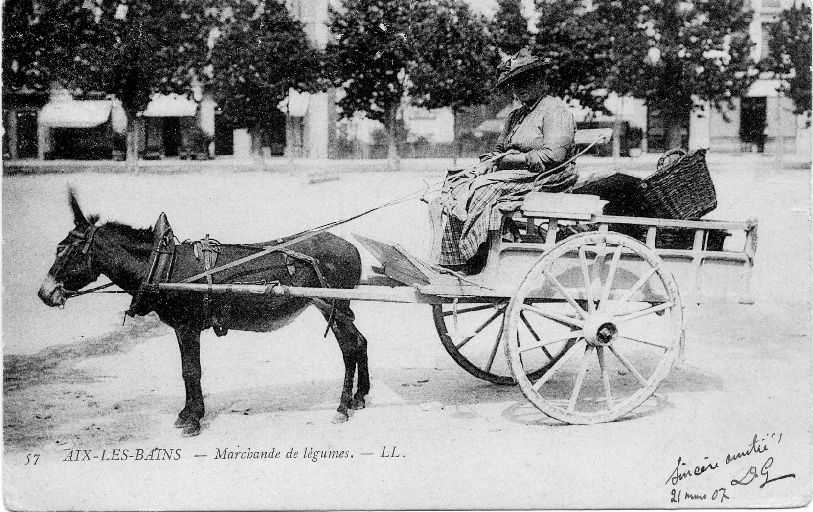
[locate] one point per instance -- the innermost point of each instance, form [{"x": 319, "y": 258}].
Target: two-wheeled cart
[{"x": 586, "y": 320}]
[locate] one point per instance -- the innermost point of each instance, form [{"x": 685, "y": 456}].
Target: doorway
[
  {"x": 27, "y": 143},
  {"x": 172, "y": 136},
  {"x": 753, "y": 120}
]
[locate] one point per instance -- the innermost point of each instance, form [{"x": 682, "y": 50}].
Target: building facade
[{"x": 763, "y": 120}]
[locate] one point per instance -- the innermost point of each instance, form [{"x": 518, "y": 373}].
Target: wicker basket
[{"x": 680, "y": 189}]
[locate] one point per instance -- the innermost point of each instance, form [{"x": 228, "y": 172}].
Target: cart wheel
[
  {"x": 619, "y": 322},
  {"x": 472, "y": 334}
]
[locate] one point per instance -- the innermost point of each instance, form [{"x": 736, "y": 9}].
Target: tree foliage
[
  {"x": 22, "y": 48},
  {"x": 566, "y": 41},
  {"x": 672, "y": 52},
  {"x": 130, "y": 49},
  {"x": 433, "y": 53},
  {"x": 261, "y": 53},
  {"x": 790, "y": 54},
  {"x": 370, "y": 55},
  {"x": 456, "y": 62},
  {"x": 509, "y": 27}
]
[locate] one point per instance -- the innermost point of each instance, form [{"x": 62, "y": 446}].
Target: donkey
[{"x": 123, "y": 254}]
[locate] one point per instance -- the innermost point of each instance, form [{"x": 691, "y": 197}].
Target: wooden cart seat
[{"x": 562, "y": 206}]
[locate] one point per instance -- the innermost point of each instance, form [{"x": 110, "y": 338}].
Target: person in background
[{"x": 537, "y": 137}]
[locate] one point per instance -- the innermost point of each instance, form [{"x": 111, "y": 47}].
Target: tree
[
  {"x": 790, "y": 54},
  {"x": 676, "y": 54},
  {"x": 456, "y": 63},
  {"x": 22, "y": 48},
  {"x": 566, "y": 41},
  {"x": 509, "y": 27},
  {"x": 261, "y": 54},
  {"x": 370, "y": 58},
  {"x": 131, "y": 49}
]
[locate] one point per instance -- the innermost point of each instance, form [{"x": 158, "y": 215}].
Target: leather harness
[{"x": 207, "y": 251}]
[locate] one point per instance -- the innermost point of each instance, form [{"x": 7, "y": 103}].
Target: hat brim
[{"x": 508, "y": 77}]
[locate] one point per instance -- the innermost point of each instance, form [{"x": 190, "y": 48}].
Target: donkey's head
[{"x": 73, "y": 267}]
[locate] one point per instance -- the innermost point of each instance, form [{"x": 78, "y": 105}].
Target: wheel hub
[{"x": 600, "y": 330}]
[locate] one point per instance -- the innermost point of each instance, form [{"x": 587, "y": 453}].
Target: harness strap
[
  {"x": 206, "y": 251},
  {"x": 314, "y": 263},
  {"x": 160, "y": 264}
]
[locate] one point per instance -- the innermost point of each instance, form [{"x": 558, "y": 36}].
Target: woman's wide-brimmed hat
[{"x": 517, "y": 64}]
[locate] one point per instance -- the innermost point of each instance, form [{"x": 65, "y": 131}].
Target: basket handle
[{"x": 669, "y": 153}]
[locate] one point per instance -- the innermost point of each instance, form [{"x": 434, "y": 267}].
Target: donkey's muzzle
[{"x": 52, "y": 293}]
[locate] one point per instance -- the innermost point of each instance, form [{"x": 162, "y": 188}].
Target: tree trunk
[
  {"x": 133, "y": 123},
  {"x": 455, "y": 138},
  {"x": 674, "y": 135},
  {"x": 256, "y": 142},
  {"x": 393, "y": 160},
  {"x": 617, "y": 123},
  {"x": 617, "y": 136}
]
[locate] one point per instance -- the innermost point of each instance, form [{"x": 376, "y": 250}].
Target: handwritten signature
[{"x": 752, "y": 473}]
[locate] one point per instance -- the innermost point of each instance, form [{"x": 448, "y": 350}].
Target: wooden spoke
[
  {"x": 641, "y": 380},
  {"x": 645, "y": 342},
  {"x": 482, "y": 326},
  {"x": 605, "y": 292},
  {"x": 569, "y": 298},
  {"x": 644, "y": 278},
  {"x": 570, "y": 336},
  {"x": 533, "y": 333},
  {"x": 481, "y": 307},
  {"x": 556, "y": 317},
  {"x": 561, "y": 362},
  {"x": 577, "y": 387},
  {"x": 605, "y": 376},
  {"x": 644, "y": 312},
  {"x": 588, "y": 287},
  {"x": 494, "y": 351},
  {"x": 598, "y": 261}
]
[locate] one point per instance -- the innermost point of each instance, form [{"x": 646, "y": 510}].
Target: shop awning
[
  {"x": 75, "y": 113},
  {"x": 765, "y": 88},
  {"x": 296, "y": 104},
  {"x": 170, "y": 105}
]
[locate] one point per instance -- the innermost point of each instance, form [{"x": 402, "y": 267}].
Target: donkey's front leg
[
  {"x": 190, "y": 415},
  {"x": 347, "y": 388}
]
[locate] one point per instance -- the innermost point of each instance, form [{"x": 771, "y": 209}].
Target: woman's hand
[{"x": 534, "y": 161}]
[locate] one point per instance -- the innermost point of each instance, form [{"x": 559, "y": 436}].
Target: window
[{"x": 765, "y": 43}]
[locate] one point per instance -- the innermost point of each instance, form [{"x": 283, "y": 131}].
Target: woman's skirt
[{"x": 486, "y": 200}]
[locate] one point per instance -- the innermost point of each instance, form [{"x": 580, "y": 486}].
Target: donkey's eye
[{"x": 60, "y": 249}]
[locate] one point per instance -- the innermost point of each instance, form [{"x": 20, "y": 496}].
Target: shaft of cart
[{"x": 401, "y": 294}]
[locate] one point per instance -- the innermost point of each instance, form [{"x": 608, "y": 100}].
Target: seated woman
[{"x": 538, "y": 137}]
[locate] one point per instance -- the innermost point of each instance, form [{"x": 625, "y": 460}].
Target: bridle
[{"x": 82, "y": 241}]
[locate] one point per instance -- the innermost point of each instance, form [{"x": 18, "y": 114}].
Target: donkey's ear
[{"x": 78, "y": 217}]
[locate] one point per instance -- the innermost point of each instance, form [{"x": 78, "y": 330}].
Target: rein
[
  {"x": 299, "y": 237},
  {"x": 309, "y": 233},
  {"x": 72, "y": 293}
]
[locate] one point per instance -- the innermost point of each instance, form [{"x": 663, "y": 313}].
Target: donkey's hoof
[
  {"x": 191, "y": 429},
  {"x": 340, "y": 417},
  {"x": 357, "y": 403},
  {"x": 187, "y": 418}
]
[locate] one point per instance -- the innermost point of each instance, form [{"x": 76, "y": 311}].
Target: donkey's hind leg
[{"x": 364, "y": 373}]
